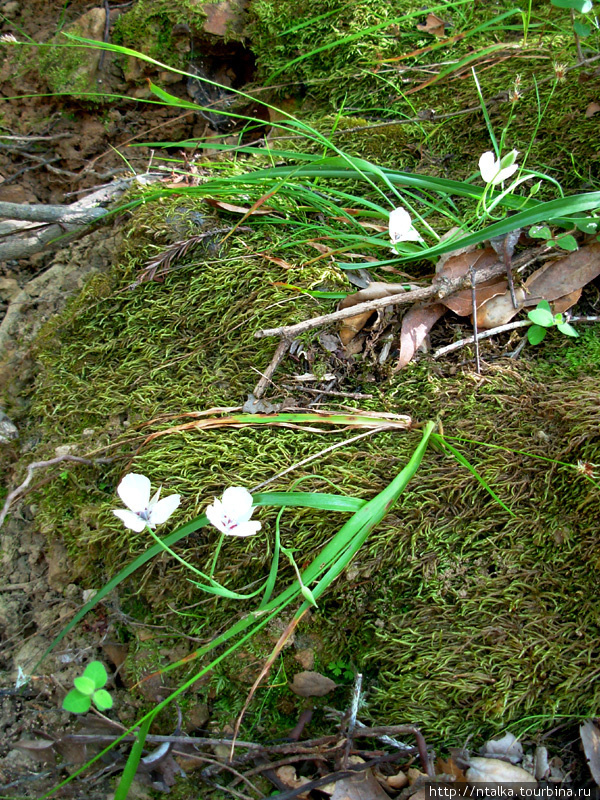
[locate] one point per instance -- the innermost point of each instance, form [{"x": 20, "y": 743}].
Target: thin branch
[{"x": 440, "y": 288}]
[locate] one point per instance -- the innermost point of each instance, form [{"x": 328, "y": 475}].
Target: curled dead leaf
[
  {"x": 456, "y": 267},
  {"x": 494, "y": 771},
  {"x": 590, "y": 739},
  {"x": 433, "y": 24}
]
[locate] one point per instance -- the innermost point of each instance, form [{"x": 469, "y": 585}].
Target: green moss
[{"x": 462, "y": 617}]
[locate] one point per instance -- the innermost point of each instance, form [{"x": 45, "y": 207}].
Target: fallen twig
[
  {"x": 510, "y": 326},
  {"x": 440, "y": 288}
]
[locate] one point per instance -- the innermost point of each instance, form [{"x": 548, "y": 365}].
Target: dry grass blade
[
  {"x": 303, "y": 422},
  {"x": 174, "y": 252}
]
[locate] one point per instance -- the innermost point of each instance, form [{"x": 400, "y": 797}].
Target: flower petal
[
  {"x": 129, "y": 519},
  {"x": 245, "y": 529},
  {"x": 488, "y": 166},
  {"x": 134, "y": 491},
  {"x": 400, "y": 224},
  {"x": 163, "y": 509},
  {"x": 237, "y": 503},
  {"x": 505, "y": 173},
  {"x": 214, "y": 514}
]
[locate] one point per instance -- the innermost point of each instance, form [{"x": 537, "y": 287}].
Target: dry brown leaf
[
  {"x": 456, "y": 267},
  {"x": 563, "y": 276},
  {"x": 449, "y": 767},
  {"x": 279, "y": 261},
  {"x": 499, "y": 310},
  {"x": 362, "y": 786},
  {"x": 238, "y": 209},
  {"x": 508, "y": 747},
  {"x": 416, "y": 324},
  {"x": 287, "y": 775},
  {"x": 590, "y": 739},
  {"x": 311, "y": 684},
  {"x": 353, "y": 325},
  {"x": 592, "y": 109},
  {"x": 562, "y": 304},
  {"x": 398, "y": 781},
  {"x": 559, "y": 282},
  {"x": 433, "y": 25}
]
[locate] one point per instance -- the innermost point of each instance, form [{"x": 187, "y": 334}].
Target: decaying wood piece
[{"x": 30, "y": 228}]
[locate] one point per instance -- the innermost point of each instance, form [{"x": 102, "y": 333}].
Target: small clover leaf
[
  {"x": 88, "y": 689},
  {"x": 96, "y": 672},
  {"x": 77, "y": 703},
  {"x": 102, "y": 700}
]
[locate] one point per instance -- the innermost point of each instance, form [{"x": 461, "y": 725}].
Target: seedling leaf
[
  {"x": 77, "y": 703},
  {"x": 567, "y": 242},
  {"x": 540, "y": 232},
  {"x": 102, "y": 700},
  {"x": 96, "y": 672},
  {"x": 581, "y": 29},
  {"x": 536, "y": 334},
  {"x": 85, "y": 686},
  {"x": 583, "y": 6},
  {"x": 542, "y": 316},
  {"x": 567, "y": 329}
]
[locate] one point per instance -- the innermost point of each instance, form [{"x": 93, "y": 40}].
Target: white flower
[
  {"x": 495, "y": 171},
  {"x": 134, "y": 491},
  {"x": 8, "y": 38},
  {"x": 401, "y": 227},
  {"x": 231, "y": 514}
]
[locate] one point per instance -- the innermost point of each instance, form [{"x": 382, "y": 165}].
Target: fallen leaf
[
  {"x": 311, "y": 684},
  {"x": 494, "y": 771},
  {"x": 561, "y": 277},
  {"x": 590, "y": 739},
  {"x": 592, "y": 109},
  {"x": 560, "y": 282},
  {"x": 541, "y": 763},
  {"x": 398, "y": 781},
  {"x": 449, "y": 767},
  {"x": 287, "y": 775},
  {"x": 416, "y": 324},
  {"x": 238, "y": 209},
  {"x": 279, "y": 261},
  {"x": 41, "y": 749},
  {"x": 362, "y": 786},
  {"x": 460, "y": 265},
  {"x": 433, "y": 25},
  {"x": 115, "y": 652},
  {"x": 508, "y": 746}
]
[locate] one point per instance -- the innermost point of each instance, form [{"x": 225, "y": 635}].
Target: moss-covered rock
[{"x": 463, "y": 615}]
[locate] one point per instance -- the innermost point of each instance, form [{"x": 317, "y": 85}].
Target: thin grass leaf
[
  {"x": 465, "y": 463},
  {"x": 133, "y": 760}
]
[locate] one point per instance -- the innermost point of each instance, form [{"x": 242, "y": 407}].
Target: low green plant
[
  {"x": 580, "y": 29},
  {"x": 89, "y": 689},
  {"x": 543, "y": 319},
  {"x": 341, "y": 669}
]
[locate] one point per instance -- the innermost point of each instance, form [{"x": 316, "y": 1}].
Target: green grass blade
[
  {"x": 133, "y": 760},
  {"x": 465, "y": 463}
]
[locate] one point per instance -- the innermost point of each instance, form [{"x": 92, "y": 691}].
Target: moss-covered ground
[{"x": 463, "y": 617}]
